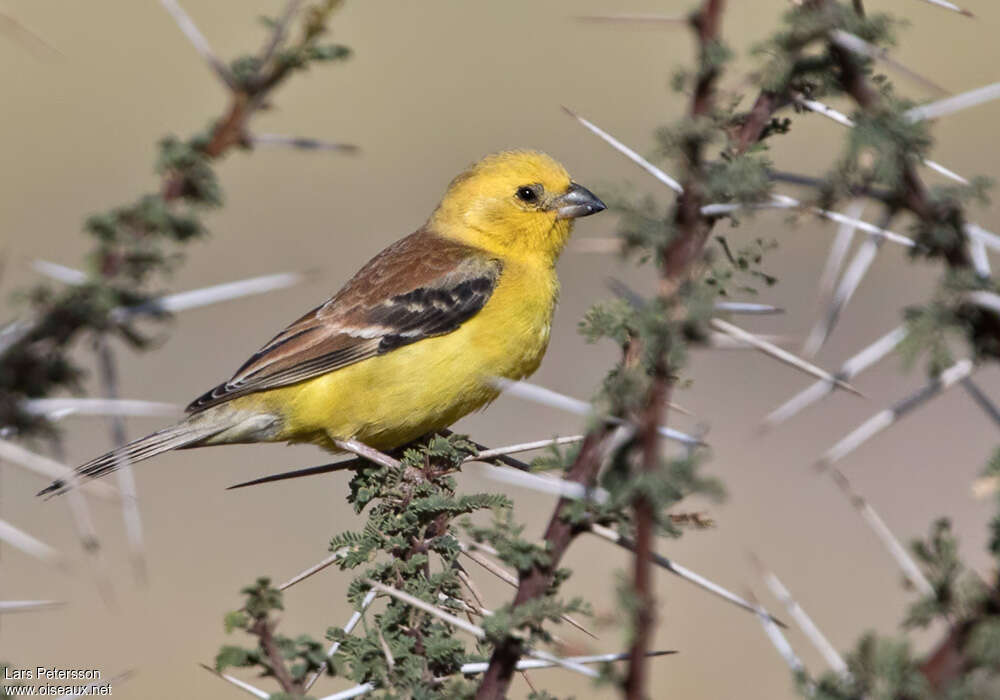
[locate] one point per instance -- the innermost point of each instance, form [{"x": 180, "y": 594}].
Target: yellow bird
[{"x": 411, "y": 342}]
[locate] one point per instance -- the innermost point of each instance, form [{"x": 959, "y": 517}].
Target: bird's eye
[{"x": 527, "y": 194}]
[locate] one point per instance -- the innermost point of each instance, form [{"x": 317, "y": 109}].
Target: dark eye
[{"x": 527, "y": 194}]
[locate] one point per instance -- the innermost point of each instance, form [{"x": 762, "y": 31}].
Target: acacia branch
[
  {"x": 536, "y": 581},
  {"x": 692, "y": 229},
  {"x": 245, "y": 100},
  {"x": 948, "y": 661},
  {"x": 263, "y": 629}
]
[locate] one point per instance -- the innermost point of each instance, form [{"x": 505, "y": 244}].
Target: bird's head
[{"x": 514, "y": 203}]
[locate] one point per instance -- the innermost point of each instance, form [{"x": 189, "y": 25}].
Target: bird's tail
[{"x": 185, "y": 434}]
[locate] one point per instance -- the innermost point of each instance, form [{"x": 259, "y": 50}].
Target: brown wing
[{"x": 422, "y": 286}]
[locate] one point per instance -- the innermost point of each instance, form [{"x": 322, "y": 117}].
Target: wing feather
[{"x": 422, "y": 286}]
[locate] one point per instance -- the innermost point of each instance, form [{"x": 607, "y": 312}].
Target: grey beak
[{"x": 578, "y": 201}]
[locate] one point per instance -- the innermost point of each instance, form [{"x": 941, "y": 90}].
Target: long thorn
[
  {"x": 627, "y": 152},
  {"x": 892, "y": 545},
  {"x": 779, "y": 642},
  {"x": 21, "y": 540},
  {"x": 742, "y": 307},
  {"x": 957, "y": 103},
  {"x": 468, "y": 549},
  {"x": 51, "y": 469},
  {"x": 355, "y": 692},
  {"x": 524, "y": 447},
  {"x": 370, "y": 453},
  {"x": 302, "y": 143},
  {"x": 182, "y": 301},
  {"x": 838, "y": 251},
  {"x": 833, "y": 659},
  {"x": 529, "y": 664},
  {"x": 890, "y": 416},
  {"x": 950, "y": 6},
  {"x": 242, "y": 685},
  {"x": 850, "y": 369},
  {"x": 779, "y": 354},
  {"x": 200, "y": 43},
  {"x": 58, "y": 408},
  {"x": 124, "y": 474},
  {"x": 610, "y": 535},
  {"x": 314, "y": 569},
  {"x": 549, "y": 486},
  {"x": 658, "y": 20},
  {"x": 548, "y": 397},
  {"x": 849, "y": 284},
  {"x": 348, "y": 629},
  {"x": 834, "y": 115},
  {"x": 278, "y": 33},
  {"x": 20, "y": 606},
  {"x": 857, "y": 45}
]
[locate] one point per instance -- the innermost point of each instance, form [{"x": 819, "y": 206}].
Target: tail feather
[{"x": 184, "y": 434}]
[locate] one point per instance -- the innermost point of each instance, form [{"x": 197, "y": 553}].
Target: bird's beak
[{"x": 578, "y": 201}]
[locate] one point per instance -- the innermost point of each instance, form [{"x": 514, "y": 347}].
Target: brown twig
[
  {"x": 264, "y": 631},
  {"x": 246, "y": 99},
  {"x": 679, "y": 257},
  {"x": 536, "y": 581},
  {"x": 692, "y": 232}
]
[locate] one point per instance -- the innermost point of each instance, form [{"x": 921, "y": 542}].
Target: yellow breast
[{"x": 391, "y": 399}]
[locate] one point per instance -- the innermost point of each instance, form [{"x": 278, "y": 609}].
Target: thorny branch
[
  {"x": 678, "y": 262},
  {"x": 536, "y": 581},
  {"x": 263, "y": 629},
  {"x": 948, "y": 661}
]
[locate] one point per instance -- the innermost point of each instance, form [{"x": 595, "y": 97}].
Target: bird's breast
[{"x": 393, "y": 398}]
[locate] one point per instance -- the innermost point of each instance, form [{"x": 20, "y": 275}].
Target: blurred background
[{"x": 432, "y": 87}]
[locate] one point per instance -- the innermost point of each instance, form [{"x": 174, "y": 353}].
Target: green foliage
[
  {"x": 301, "y": 656},
  {"x": 738, "y": 178},
  {"x": 879, "y": 669},
  {"x": 136, "y": 245},
  {"x": 791, "y": 65},
  {"x": 741, "y": 271},
  {"x": 409, "y": 541}
]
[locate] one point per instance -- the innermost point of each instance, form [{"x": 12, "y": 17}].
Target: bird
[{"x": 415, "y": 339}]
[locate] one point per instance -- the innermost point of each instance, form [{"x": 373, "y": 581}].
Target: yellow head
[{"x": 514, "y": 203}]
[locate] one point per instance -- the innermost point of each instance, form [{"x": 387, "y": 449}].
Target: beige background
[{"x": 433, "y": 86}]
